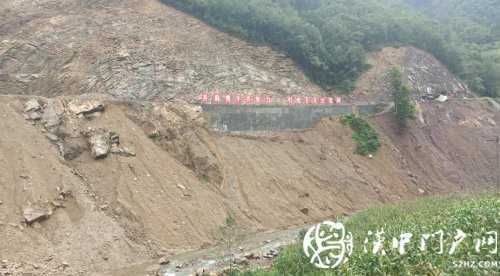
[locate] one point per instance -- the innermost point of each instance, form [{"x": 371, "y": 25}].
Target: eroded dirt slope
[
  {"x": 448, "y": 142},
  {"x": 182, "y": 180}
]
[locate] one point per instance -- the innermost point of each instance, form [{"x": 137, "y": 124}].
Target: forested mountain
[
  {"x": 329, "y": 38},
  {"x": 473, "y": 28}
]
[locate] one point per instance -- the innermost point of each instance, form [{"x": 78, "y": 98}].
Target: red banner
[{"x": 216, "y": 98}]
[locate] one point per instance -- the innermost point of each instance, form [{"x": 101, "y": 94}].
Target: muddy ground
[{"x": 175, "y": 191}]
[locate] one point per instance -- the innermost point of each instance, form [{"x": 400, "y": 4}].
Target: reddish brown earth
[{"x": 128, "y": 210}]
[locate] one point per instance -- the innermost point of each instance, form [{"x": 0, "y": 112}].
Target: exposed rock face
[{"x": 47, "y": 51}]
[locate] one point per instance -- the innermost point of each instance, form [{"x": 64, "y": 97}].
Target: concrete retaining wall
[{"x": 234, "y": 118}]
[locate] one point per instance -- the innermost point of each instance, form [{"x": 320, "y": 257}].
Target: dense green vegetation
[
  {"x": 329, "y": 38},
  {"x": 403, "y": 106},
  {"x": 472, "y": 28},
  {"x": 475, "y": 216},
  {"x": 364, "y": 135}
]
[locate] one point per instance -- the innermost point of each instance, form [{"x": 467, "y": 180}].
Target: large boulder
[
  {"x": 99, "y": 142},
  {"x": 32, "y": 109},
  {"x": 32, "y": 105},
  {"x": 86, "y": 107},
  {"x": 52, "y": 114}
]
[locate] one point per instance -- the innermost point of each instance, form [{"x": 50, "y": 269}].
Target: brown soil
[{"x": 129, "y": 210}]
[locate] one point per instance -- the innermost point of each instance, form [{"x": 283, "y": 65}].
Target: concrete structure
[{"x": 236, "y": 118}]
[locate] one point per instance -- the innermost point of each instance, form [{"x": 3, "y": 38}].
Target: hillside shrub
[{"x": 366, "y": 138}]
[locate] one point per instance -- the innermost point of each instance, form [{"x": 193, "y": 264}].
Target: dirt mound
[
  {"x": 107, "y": 213},
  {"x": 135, "y": 49},
  {"x": 423, "y": 73}
]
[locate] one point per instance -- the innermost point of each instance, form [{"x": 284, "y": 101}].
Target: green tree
[{"x": 403, "y": 107}]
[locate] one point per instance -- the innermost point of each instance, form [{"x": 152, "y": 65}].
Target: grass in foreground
[{"x": 474, "y": 215}]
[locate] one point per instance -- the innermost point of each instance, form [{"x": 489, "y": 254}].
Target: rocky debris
[
  {"x": 241, "y": 262},
  {"x": 64, "y": 193},
  {"x": 304, "y": 211},
  {"x": 153, "y": 270},
  {"x": 103, "y": 142},
  {"x": 163, "y": 261},
  {"x": 34, "y": 214},
  {"x": 64, "y": 265},
  {"x": 273, "y": 253},
  {"x": 182, "y": 187},
  {"x": 86, "y": 108},
  {"x": 71, "y": 148},
  {"x": 251, "y": 256},
  {"x": 99, "y": 141},
  {"x": 202, "y": 272},
  {"x": 491, "y": 121},
  {"x": 52, "y": 114},
  {"x": 33, "y": 116},
  {"x": 122, "y": 152},
  {"x": 57, "y": 204},
  {"x": 114, "y": 138},
  {"x": 52, "y": 137},
  {"x": 104, "y": 207},
  {"x": 32, "y": 110},
  {"x": 32, "y": 105}
]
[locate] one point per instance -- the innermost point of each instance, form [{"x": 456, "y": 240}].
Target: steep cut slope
[
  {"x": 449, "y": 144},
  {"x": 184, "y": 180},
  {"x": 135, "y": 49}
]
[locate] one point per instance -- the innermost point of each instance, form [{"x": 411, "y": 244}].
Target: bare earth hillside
[{"x": 183, "y": 180}]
